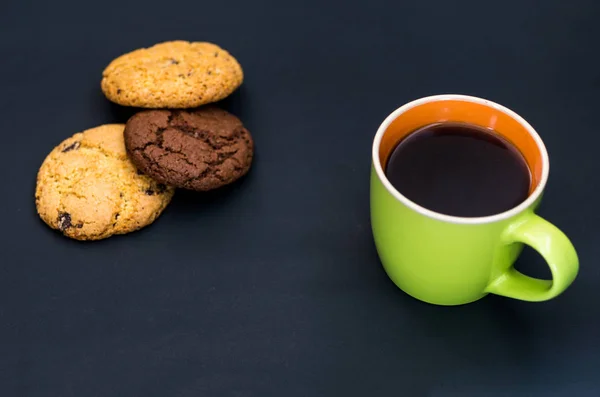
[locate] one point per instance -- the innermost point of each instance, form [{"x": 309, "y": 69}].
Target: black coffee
[{"x": 459, "y": 169}]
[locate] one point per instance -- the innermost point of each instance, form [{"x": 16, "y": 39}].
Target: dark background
[{"x": 272, "y": 287}]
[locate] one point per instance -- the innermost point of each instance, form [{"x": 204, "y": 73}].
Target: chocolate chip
[
  {"x": 119, "y": 91},
  {"x": 216, "y": 54},
  {"x": 64, "y": 221},
  {"x": 174, "y": 61},
  {"x": 121, "y": 194},
  {"x": 73, "y": 146},
  {"x": 149, "y": 192}
]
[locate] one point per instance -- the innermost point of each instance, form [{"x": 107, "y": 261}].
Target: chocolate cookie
[
  {"x": 198, "y": 150},
  {"x": 88, "y": 189}
]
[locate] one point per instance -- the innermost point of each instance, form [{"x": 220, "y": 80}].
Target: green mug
[{"x": 448, "y": 260}]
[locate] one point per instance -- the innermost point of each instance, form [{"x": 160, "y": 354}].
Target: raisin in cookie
[
  {"x": 89, "y": 190},
  {"x": 174, "y": 74},
  {"x": 198, "y": 150}
]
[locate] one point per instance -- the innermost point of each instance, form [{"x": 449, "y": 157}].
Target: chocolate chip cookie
[
  {"x": 174, "y": 74},
  {"x": 89, "y": 190},
  {"x": 198, "y": 150}
]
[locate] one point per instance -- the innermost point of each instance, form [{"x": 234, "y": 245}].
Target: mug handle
[{"x": 555, "y": 248}]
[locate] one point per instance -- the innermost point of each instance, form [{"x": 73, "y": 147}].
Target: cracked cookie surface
[
  {"x": 197, "y": 150},
  {"x": 89, "y": 190},
  {"x": 173, "y": 74}
]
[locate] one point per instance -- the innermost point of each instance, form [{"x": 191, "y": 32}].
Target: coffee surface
[{"x": 459, "y": 169}]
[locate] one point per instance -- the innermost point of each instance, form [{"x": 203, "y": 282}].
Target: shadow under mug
[{"x": 450, "y": 260}]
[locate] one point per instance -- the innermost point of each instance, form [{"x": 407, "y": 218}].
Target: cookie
[
  {"x": 174, "y": 74},
  {"x": 89, "y": 190},
  {"x": 198, "y": 150}
]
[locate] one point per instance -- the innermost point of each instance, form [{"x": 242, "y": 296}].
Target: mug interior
[{"x": 465, "y": 109}]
